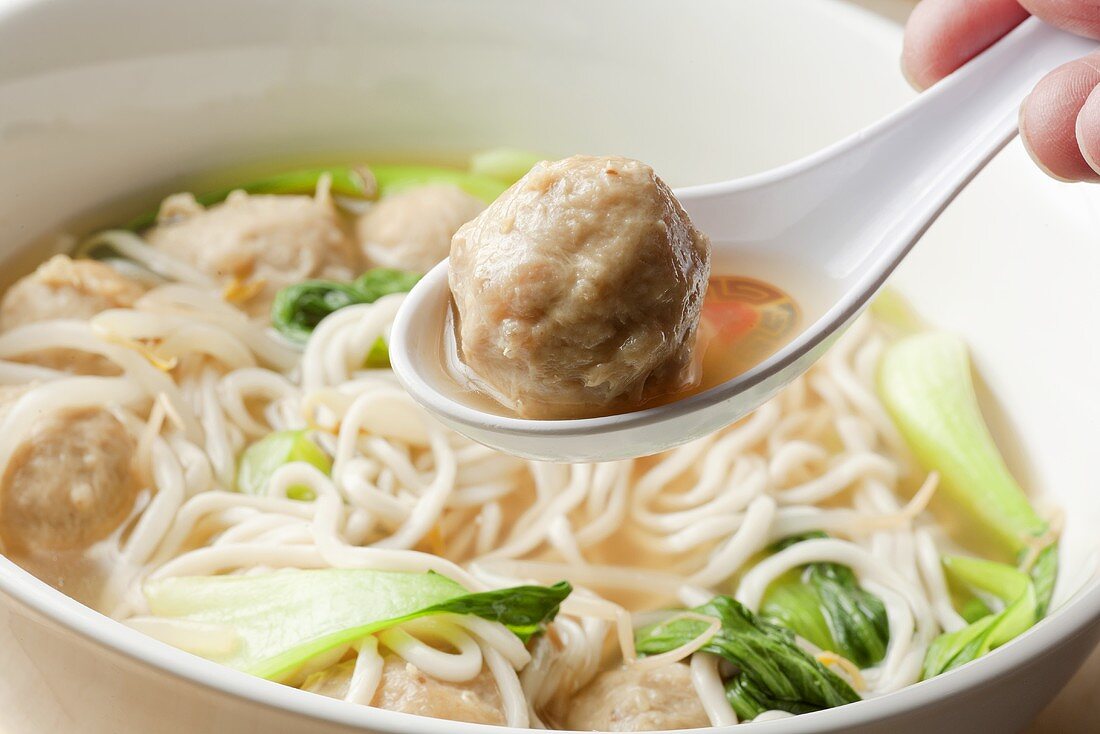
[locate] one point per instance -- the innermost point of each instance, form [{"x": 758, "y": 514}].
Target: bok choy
[
  {"x": 771, "y": 671},
  {"x": 281, "y": 620},
  {"x": 925, "y": 383},
  {"x": 489, "y": 174},
  {"x": 395, "y": 178},
  {"x": 1013, "y": 587},
  {"x": 507, "y": 165},
  {"x": 345, "y": 181},
  {"x": 824, "y": 603},
  {"x": 298, "y": 308}
]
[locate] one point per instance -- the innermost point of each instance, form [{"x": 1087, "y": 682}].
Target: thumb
[{"x": 1057, "y": 129}]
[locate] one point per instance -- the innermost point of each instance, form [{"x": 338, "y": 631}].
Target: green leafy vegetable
[
  {"x": 378, "y": 282},
  {"x": 504, "y": 164},
  {"x": 826, "y": 605},
  {"x": 1043, "y": 574},
  {"x": 298, "y": 308},
  {"x": 346, "y": 181},
  {"x": 773, "y": 672},
  {"x": 1013, "y": 587},
  {"x": 795, "y": 603},
  {"x": 925, "y": 383},
  {"x": 260, "y": 460},
  {"x": 522, "y": 609},
  {"x": 395, "y": 178},
  {"x": 283, "y": 619}
]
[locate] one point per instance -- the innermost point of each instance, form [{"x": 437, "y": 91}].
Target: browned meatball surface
[
  {"x": 405, "y": 688},
  {"x": 62, "y": 288},
  {"x": 629, "y": 699},
  {"x": 69, "y": 484},
  {"x": 412, "y": 230},
  {"x": 267, "y": 240},
  {"x": 578, "y": 291}
]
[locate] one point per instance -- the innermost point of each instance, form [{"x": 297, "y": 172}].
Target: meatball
[
  {"x": 405, "y": 688},
  {"x": 62, "y": 288},
  {"x": 412, "y": 230},
  {"x": 578, "y": 291},
  {"x": 69, "y": 484},
  {"x": 272, "y": 241},
  {"x": 629, "y": 699}
]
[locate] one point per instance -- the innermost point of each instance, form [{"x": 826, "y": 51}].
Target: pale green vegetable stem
[{"x": 925, "y": 383}]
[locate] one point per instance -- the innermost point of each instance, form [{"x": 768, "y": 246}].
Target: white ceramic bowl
[{"x": 100, "y": 101}]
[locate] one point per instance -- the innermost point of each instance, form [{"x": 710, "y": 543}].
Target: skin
[{"x": 1060, "y": 119}]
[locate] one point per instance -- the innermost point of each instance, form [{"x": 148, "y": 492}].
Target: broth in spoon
[{"x": 746, "y": 318}]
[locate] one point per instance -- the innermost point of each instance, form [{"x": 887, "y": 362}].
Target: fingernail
[
  {"x": 908, "y": 77},
  {"x": 1081, "y": 136}
]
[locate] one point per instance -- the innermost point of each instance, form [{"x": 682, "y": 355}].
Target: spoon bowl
[
  {"x": 414, "y": 343},
  {"x": 847, "y": 215}
]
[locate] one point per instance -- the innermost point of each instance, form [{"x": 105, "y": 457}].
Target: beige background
[{"x": 1077, "y": 709}]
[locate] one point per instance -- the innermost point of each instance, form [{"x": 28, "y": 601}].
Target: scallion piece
[{"x": 260, "y": 460}]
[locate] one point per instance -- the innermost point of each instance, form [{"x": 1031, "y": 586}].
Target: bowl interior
[
  {"x": 161, "y": 95},
  {"x": 263, "y": 85}
]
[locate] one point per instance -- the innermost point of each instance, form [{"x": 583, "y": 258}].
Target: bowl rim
[{"x": 1078, "y": 612}]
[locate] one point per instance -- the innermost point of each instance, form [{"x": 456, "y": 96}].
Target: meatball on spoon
[{"x": 842, "y": 218}]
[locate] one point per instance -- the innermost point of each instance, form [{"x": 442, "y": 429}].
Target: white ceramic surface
[
  {"x": 846, "y": 214},
  {"x": 122, "y": 97}
]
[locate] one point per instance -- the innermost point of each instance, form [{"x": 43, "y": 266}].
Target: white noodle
[
  {"x": 935, "y": 584},
  {"x": 455, "y": 667},
  {"x": 367, "y": 673},
  {"x": 511, "y": 691},
  {"x": 406, "y": 494},
  {"x": 712, "y": 692}
]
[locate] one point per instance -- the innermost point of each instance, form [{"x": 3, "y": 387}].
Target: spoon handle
[
  {"x": 938, "y": 142},
  {"x": 855, "y": 208}
]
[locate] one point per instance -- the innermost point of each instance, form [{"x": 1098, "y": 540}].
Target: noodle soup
[{"x": 204, "y": 441}]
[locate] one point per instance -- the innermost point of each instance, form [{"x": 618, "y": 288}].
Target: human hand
[{"x": 1060, "y": 119}]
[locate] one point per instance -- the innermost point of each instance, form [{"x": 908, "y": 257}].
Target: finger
[
  {"x": 942, "y": 35},
  {"x": 1048, "y": 119},
  {"x": 1076, "y": 16},
  {"x": 1088, "y": 130}
]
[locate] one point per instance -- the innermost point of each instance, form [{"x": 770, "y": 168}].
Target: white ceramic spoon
[{"x": 846, "y": 216}]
